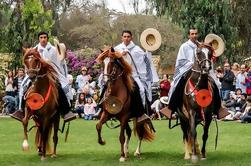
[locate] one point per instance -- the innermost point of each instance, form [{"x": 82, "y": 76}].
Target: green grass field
[{"x": 234, "y": 146}]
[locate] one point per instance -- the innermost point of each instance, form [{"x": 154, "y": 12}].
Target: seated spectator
[
  {"x": 89, "y": 108},
  {"x": 246, "y": 115},
  {"x": 79, "y": 105},
  {"x": 158, "y": 105},
  {"x": 9, "y": 104}
]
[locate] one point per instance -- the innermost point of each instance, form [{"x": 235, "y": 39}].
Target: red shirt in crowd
[{"x": 164, "y": 87}]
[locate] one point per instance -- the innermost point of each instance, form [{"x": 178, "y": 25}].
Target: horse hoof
[
  {"x": 203, "y": 158},
  {"x": 195, "y": 158},
  {"x": 53, "y": 156},
  {"x": 39, "y": 153},
  {"x": 25, "y": 146},
  {"x": 122, "y": 159},
  {"x": 43, "y": 158},
  {"x": 101, "y": 142},
  {"x": 136, "y": 154},
  {"x": 187, "y": 157}
]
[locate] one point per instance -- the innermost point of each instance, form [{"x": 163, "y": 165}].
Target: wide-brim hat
[
  {"x": 164, "y": 99},
  {"x": 216, "y": 42},
  {"x": 61, "y": 49},
  {"x": 150, "y": 39}
]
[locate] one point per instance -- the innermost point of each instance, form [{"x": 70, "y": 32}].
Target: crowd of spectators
[{"x": 234, "y": 83}]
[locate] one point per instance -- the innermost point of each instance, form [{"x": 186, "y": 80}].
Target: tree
[
  {"x": 27, "y": 19},
  {"x": 208, "y": 16}
]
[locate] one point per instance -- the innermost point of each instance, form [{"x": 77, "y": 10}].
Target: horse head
[
  {"x": 115, "y": 66},
  {"x": 36, "y": 66},
  {"x": 203, "y": 56}
]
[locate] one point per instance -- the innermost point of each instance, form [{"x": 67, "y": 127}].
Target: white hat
[
  {"x": 61, "y": 49},
  {"x": 150, "y": 39},
  {"x": 216, "y": 42},
  {"x": 164, "y": 99}
]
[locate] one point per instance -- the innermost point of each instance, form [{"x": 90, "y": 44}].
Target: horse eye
[{"x": 210, "y": 53}]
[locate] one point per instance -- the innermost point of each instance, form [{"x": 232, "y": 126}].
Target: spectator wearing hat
[
  {"x": 159, "y": 104},
  {"x": 82, "y": 79},
  {"x": 164, "y": 86}
]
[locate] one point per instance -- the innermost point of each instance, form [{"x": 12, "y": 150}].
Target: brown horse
[
  {"x": 201, "y": 100},
  {"x": 120, "y": 93},
  {"x": 41, "y": 102}
]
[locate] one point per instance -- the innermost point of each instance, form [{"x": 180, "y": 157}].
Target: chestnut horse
[
  {"x": 121, "y": 90},
  {"x": 41, "y": 102},
  {"x": 201, "y": 100}
]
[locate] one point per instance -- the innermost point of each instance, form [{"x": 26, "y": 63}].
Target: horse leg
[
  {"x": 205, "y": 136},
  {"x": 122, "y": 140},
  {"x": 25, "y": 121},
  {"x": 138, "y": 151},
  {"x": 126, "y": 145},
  {"x": 102, "y": 120},
  {"x": 39, "y": 142},
  {"x": 193, "y": 136},
  {"x": 55, "y": 135},
  {"x": 187, "y": 142},
  {"x": 44, "y": 136}
]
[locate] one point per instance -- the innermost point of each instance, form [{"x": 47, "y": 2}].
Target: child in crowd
[
  {"x": 80, "y": 103},
  {"x": 89, "y": 108}
]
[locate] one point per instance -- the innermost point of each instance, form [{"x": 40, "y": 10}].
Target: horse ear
[
  {"x": 24, "y": 49},
  {"x": 101, "y": 50},
  {"x": 112, "y": 49}
]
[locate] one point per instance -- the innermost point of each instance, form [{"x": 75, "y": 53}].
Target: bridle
[
  {"x": 112, "y": 76},
  {"x": 35, "y": 70}
]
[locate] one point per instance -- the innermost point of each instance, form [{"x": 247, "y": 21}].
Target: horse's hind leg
[
  {"x": 103, "y": 119},
  {"x": 126, "y": 144},
  {"x": 138, "y": 149},
  {"x": 193, "y": 136},
  {"x": 205, "y": 136},
  {"x": 55, "y": 135}
]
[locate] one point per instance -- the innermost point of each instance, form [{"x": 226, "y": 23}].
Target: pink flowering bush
[{"x": 84, "y": 57}]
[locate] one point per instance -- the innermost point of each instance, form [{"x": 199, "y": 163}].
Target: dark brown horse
[
  {"x": 41, "y": 102},
  {"x": 119, "y": 93},
  {"x": 200, "y": 101}
]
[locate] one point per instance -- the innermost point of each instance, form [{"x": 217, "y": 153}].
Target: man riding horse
[
  {"x": 143, "y": 71},
  {"x": 184, "y": 63},
  {"x": 49, "y": 54}
]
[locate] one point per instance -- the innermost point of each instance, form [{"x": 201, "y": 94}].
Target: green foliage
[
  {"x": 208, "y": 16},
  {"x": 27, "y": 19}
]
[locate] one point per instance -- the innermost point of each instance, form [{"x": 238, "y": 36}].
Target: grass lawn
[{"x": 234, "y": 146}]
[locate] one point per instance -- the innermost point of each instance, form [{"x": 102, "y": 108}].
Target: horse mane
[
  {"x": 127, "y": 69},
  {"x": 47, "y": 69}
]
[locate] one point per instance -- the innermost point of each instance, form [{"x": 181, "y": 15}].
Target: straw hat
[
  {"x": 164, "y": 100},
  {"x": 61, "y": 49},
  {"x": 216, "y": 42},
  {"x": 150, "y": 39}
]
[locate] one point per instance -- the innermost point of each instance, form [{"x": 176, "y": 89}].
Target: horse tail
[
  {"x": 144, "y": 131},
  {"x": 39, "y": 138}
]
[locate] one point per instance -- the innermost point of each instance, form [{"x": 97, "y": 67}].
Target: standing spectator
[
  {"x": 17, "y": 84},
  {"x": 240, "y": 79},
  {"x": 226, "y": 79},
  {"x": 236, "y": 70},
  {"x": 82, "y": 79},
  {"x": 164, "y": 86},
  {"x": 79, "y": 105},
  {"x": 9, "y": 90},
  {"x": 89, "y": 108},
  {"x": 248, "y": 82}
]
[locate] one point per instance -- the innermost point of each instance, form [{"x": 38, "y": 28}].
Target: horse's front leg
[
  {"x": 102, "y": 120},
  {"x": 122, "y": 141},
  {"x": 193, "y": 136},
  {"x": 25, "y": 121},
  {"x": 55, "y": 135},
  {"x": 208, "y": 119},
  {"x": 126, "y": 145}
]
